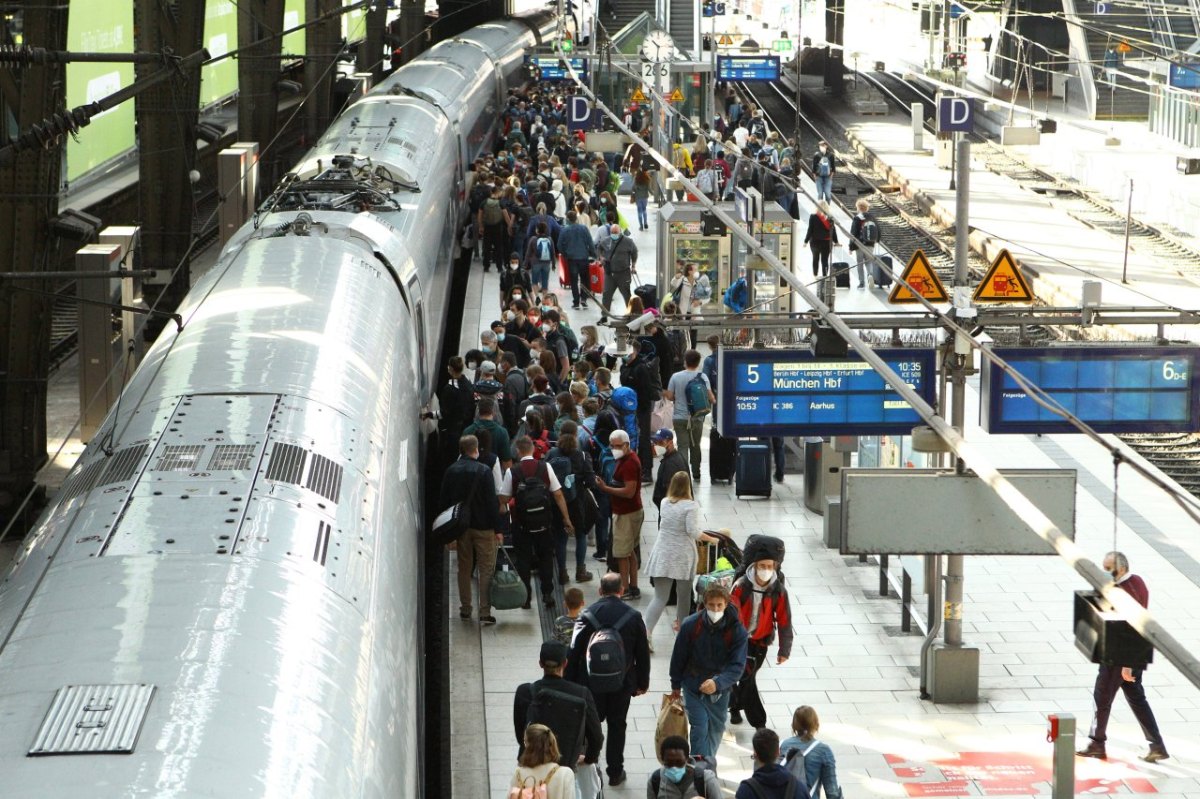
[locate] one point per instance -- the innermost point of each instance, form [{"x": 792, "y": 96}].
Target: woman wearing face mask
[
  {"x": 673, "y": 558},
  {"x": 706, "y": 663},
  {"x": 762, "y": 605}
]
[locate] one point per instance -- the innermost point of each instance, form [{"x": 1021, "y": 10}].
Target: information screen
[
  {"x": 555, "y": 69},
  {"x": 1114, "y": 389},
  {"x": 741, "y": 67},
  {"x": 792, "y": 393}
]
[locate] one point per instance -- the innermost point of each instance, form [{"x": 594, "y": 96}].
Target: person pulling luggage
[{"x": 762, "y": 604}]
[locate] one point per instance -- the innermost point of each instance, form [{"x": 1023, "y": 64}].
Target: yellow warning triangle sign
[
  {"x": 638, "y": 96},
  {"x": 676, "y": 96},
  {"x": 725, "y": 40},
  {"x": 920, "y": 275},
  {"x": 1003, "y": 282}
]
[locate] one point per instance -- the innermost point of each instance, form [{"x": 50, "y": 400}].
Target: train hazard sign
[
  {"x": 638, "y": 96},
  {"x": 1003, "y": 282},
  {"x": 676, "y": 96},
  {"x": 920, "y": 275},
  {"x": 725, "y": 40}
]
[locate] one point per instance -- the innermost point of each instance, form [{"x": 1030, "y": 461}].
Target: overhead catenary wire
[{"x": 1128, "y": 608}]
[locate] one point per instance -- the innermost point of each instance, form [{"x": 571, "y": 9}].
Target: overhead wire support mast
[
  {"x": 49, "y": 132},
  {"x": 1127, "y": 607}
]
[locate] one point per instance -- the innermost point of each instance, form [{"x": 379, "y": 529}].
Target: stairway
[
  {"x": 616, "y": 14},
  {"x": 1119, "y": 98},
  {"x": 1175, "y": 26}
]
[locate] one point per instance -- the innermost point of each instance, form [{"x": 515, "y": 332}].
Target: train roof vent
[
  {"x": 93, "y": 720},
  {"x": 180, "y": 458},
  {"x": 231, "y": 458},
  {"x": 325, "y": 478},
  {"x": 83, "y": 480},
  {"x": 321, "y": 548},
  {"x": 287, "y": 463},
  {"x": 123, "y": 464}
]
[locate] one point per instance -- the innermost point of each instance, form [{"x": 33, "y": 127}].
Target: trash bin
[{"x": 814, "y": 475}]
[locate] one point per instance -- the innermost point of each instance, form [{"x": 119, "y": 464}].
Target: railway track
[{"x": 905, "y": 227}]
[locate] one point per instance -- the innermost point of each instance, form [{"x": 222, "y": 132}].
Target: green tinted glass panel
[
  {"x": 293, "y": 15},
  {"x": 354, "y": 23},
  {"x": 220, "y": 36},
  {"x": 101, "y": 28}
]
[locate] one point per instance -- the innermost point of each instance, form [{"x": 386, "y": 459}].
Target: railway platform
[{"x": 852, "y": 663}]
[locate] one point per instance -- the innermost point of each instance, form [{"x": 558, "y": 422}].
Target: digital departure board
[
  {"x": 555, "y": 69},
  {"x": 792, "y": 393},
  {"x": 747, "y": 68},
  {"x": 1133, "y": 389}
]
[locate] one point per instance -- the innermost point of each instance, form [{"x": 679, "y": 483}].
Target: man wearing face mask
[
  {"x": 556, "y": 342},
  {"x": 518, "y": 324},
  {"x": 625, "y": 496},
  {"x": 679, "y": 778},
  {"x": 763, "y": 607},
  {"x": 511, "y": 345},
  {"x": 708, "y": 660},
  {"x": 670, "y": 462},
  {"x": 620, "y": 255}
]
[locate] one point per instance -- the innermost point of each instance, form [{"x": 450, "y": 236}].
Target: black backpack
[
  {"x": 869, "y": 232},
  {"x": 563, "y": 470},
  {"x": 532, "y": 497},
  {"x": 511, "y": 278},
  {"x": 606, "y": 661},
  {"x": 697, "y": 777},
  {"x": 565, "y": 714}
]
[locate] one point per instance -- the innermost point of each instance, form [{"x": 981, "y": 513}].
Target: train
[{"x": 227, "y": 597}]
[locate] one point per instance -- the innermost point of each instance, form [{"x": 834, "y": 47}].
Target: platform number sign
[{"x": 1103, "y": 8}]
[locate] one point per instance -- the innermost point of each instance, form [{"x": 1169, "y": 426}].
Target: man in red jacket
[
  {"x": 762, "y": 605},
  {"x": 1124, "y": 678}
]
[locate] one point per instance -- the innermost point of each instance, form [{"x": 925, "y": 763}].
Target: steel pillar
[
  {"x": 259, "y": 23},
  {"x": 370, "y": 50},
  {"x": 28, "y": 201},
  {"x": 321, "y": 37},
  {"x": 166, "y": 124},
  {"x": 835, "y": 26}
]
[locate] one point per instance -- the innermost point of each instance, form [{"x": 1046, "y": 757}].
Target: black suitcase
[
  {"x": 649, "y": 294},
  {"x": 753, "y": 469},
  {"x": 841, "y": 274},
  {"x": 880, "y": 276},
  {"x": 722, "y": 452}
]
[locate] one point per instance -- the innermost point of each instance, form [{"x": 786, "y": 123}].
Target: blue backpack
[
  {"x": 697, "y": 395},
  {"x": 624, "y": 401}
]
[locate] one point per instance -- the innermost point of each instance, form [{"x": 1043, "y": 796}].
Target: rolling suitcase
[
  {"x": 882, "y": 278},
  {"x": 722, "y": 452},
  {"x": 649, "y": 294},
  {"x": 841, "y": 274},
  {"x": 564, "y": 272},
  {"x": 753, "y": 469},
  {"x": 596, "y": 278}
]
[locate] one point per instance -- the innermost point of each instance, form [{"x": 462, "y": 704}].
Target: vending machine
[
  {"x": 689, "y": 234},
  {"x": 774, "y": 229}
]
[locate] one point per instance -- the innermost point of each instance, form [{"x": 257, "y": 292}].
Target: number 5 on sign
[{"x": 752, "y": 373}]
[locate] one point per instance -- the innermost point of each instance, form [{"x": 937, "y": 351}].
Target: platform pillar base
[{"x": 953, "y": 674}]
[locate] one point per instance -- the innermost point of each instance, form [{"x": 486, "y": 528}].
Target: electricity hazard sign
[
  {"x": 1003, "y": 282},
  {"x": 638, "y": 96},
  {"x": 920, "y": 275}
]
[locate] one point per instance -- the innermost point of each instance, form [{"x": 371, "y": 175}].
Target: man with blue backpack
[
  {"x": 737, "y": 296},
  {"x": 693, "y": 399},
  {"x": 823, "y": 168},
  {"x": 610, "y": 655}
]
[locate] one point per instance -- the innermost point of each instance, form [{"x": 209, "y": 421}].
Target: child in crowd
[{"x": 564, "y": 625}]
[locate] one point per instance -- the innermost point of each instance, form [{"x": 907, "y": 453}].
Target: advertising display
[
  {"x": 293, "y": 16},
  {"x": 99, "y": 28},
  {"x": 219, "y": 80},
  {"x": 354, "y": 23},
  {"x": 790, "y": 392},
  {"x": 1134, "y": 389}
]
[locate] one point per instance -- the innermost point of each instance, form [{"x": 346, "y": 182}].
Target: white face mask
[
  {"x": 618, "y": 453},
  {"x": 660, "y": 450},
  {"x": 715, "y": 616},
  {"x": 509, "y": 315},
  {"x": 545, "y": 329},
  {"x": 764, "y": 576}
]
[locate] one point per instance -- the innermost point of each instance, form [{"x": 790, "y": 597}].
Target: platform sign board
[
  {"x": 555, "y": 69},
  {"x": 955, "y": 115},
  {"x": 790, "y": 392},
  {"x": 1185, "y": 76},
  {"x": 747, "y": 68},
  {"x": 940, "y": 512},
  {"x": 580, "y": 116},
  {"x": 1115, "y": 389}
]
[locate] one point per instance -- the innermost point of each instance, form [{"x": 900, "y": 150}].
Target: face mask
[
  {"x": 604, "y": 202},
  {"x": 660, "y": 450},
  {"x": 509, "y": 315},
  {"x": 618, "y": 453},
  {"x": 546, "y": 308},
  {"x": 545, "y": 329},
  {"x": 675, "y": 773},
  {"x": 616, "y": 236},
  {"x": 824, "y": 149},
  {"x": 514, "y": 266},
  {"x": 765, "y": 576},
  {"x": 517, "y": 295},
  {"x": 1114, "y": 574},
  {"x": 500, "y": 336},
  {"x": 715, "y": 616},
  {"x": 489, "y": 350},
  {"x": 472, "y": 365}
]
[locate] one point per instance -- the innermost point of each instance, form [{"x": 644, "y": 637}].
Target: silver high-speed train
[{"x": 225, "y": 598}]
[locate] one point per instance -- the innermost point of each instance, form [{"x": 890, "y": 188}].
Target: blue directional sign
[
  {"x": 792, "y": 393},
  {"x": 747, "y": 68},
  {"x": 1185, "y": 76},
  {"x": 1133, "y": 389},
  {"x": 555, "y": 69},
  {"x": 955, "y": 115}
]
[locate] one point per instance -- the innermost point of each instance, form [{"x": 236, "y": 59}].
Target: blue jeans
[
  {"x": 603, "y": 523},
  {"x": 560, "y": 547},
  {"x": 539, "y": 274},
  {"x": 706, "y": 720},
  {"x": 643, "y": 220},
  {"x": 825, "y": 188}
]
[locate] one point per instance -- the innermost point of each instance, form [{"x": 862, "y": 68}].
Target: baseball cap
[
  {"x": 553, "y": 654},
  {"x": 663, "y": 434},
  {"x": 487, "y": 367}
]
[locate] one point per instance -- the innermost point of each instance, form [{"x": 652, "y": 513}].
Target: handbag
[
  {"x": 508, "y": 592},
  {"x": 454, "y": 520},
  {"x": 672, "y": 720}
]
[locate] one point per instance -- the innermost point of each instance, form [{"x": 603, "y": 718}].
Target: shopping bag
[
  {"x": 661, "y": 414},
  {"x": 672, "y": 720}
]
